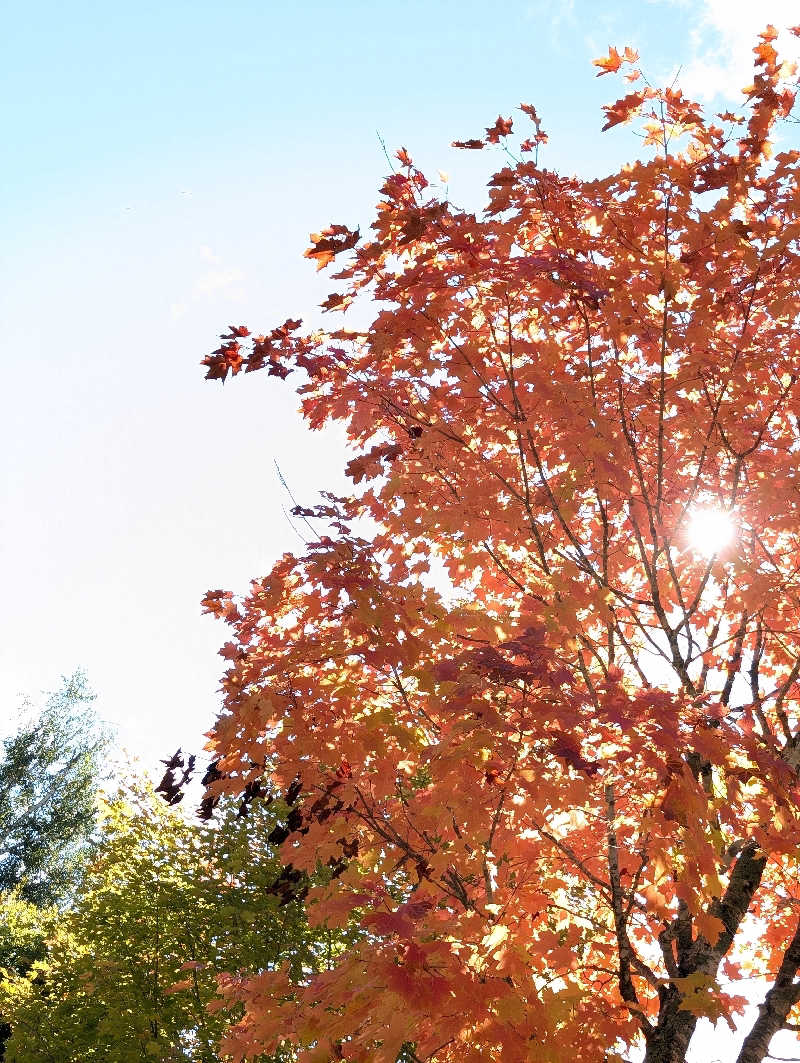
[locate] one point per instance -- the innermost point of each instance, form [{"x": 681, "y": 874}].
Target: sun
[{"x": 710, "y": 530}]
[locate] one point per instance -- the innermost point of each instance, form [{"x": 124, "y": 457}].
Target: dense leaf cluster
[{"x": 165, "y": 906}]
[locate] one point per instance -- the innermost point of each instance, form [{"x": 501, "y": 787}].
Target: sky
[{"x": 165, "y": 163}]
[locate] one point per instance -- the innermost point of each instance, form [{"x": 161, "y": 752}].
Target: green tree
[
  {"x": 49, "y": 771},
  {"x": 23, "y": 932},
  {"x": 165, "y": 905}
]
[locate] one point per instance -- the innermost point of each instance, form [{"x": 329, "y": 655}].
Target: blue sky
[{"x": 165, "y": 164}]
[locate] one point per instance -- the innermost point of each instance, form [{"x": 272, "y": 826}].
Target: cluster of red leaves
[
  {"x": 325, "y": 246},
  {"x": 611, "y": 63},
  {"x": 571, "y": 739},
  {"x": 502, "y": 128}
]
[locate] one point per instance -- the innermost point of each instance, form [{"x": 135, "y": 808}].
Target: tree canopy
[
  {"x": 547, "y": 733},
  {"x": 131, "y": 966},
  {"x": 49, "y": 772}
]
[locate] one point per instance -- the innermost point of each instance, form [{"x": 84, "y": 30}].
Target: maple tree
[{"x": 548, "y": 742}]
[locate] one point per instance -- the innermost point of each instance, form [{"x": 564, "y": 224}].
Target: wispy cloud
[
  {"x": 559, "y": 20},
  {"x": 216, "y": 281},
  {"x": 723, "y": 33}
]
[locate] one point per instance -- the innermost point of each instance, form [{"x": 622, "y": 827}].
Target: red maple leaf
[
  {"x": 330, "y": 242},
  {"x": 623, "y": 110},
  {"x": 501, "y": 128},
  {"x": 611, "y": 63}
]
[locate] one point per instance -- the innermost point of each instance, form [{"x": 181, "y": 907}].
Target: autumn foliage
[{"x": 547, "y": 744}]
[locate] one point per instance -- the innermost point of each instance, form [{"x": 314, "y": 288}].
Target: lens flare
[{"x": 710, "y": 530}]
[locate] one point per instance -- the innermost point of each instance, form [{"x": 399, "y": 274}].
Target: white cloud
[
  {"x": 722, "y": 39},
  {"x": 559, "y": 20},
  {"x": 217, "y": 281}
]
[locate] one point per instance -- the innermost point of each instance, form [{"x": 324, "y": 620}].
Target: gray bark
[
  {"x": 772, "y": 1014},
  {"x": 668, "y": 1040}
]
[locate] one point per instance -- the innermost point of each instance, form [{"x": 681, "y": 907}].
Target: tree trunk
[
  {"x": 778, "y": 1002},
  {"x": 669, "y": 1041}
]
